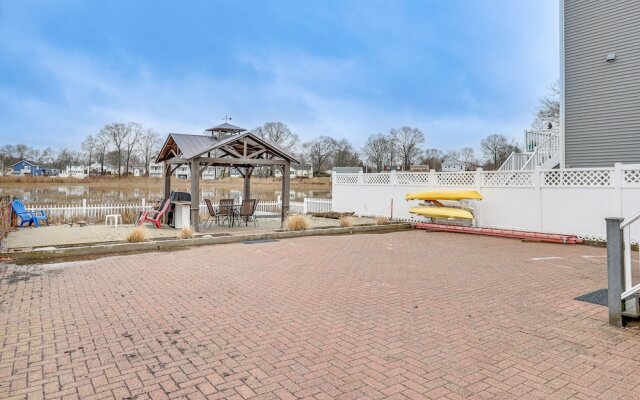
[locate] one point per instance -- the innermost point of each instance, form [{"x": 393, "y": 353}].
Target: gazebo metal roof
[{"x": 192, "y": 146}]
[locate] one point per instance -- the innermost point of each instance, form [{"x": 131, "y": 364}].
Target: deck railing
[{"x": 622, "y": 293}]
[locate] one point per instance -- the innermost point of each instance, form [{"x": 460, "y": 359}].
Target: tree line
[{"x": 123, "y": 144}]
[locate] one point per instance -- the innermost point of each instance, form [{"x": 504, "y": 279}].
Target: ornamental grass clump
[
  {"x": 185, "y": 233},
  {"x": 382, "y": 220},
  {"x": 137, "y": 235},
  {"x": 297, "y": 223},
  {"x": 346, "y": 221}
]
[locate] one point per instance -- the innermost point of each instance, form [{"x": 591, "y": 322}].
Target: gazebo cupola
[{"x": 224, "y": 130}]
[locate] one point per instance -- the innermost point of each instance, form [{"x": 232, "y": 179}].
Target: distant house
[
  {"x": 211, "y": 173},
  {"x": 347, "y": 170},
  {"x": 183, "y": 172},
  {"x": 24, "y": 167},
  {"x": 419, "y": 168},
  {"x": 451, "y": 164},
  {"x": 156, "y": 170},
  {"x": 137, "y": 170},
  {"x": 109, "y": 169},
  {"x": 75, "y": 171},
  {"x": 298, "y": 171},
  {"x": 234, "y": 173}
]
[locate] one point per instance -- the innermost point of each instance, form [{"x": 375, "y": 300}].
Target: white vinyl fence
[
  {"x": 98, "y": 212},
  {"x": 571, "y": 201}
]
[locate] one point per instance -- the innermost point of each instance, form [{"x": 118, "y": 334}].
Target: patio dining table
[{"x": 235, "y": 212}]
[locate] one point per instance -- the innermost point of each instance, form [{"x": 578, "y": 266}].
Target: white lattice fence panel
[
  {"x": 412, "y": 178},
  {"x": 590, "y": 177},
  {"x": 346, "y": 179},
  {"x": 456, "y": 179},
  {"x": 501, "y": 179},
  {"x": 631, "y": 177},
  {"x": 376, "y": 179}
]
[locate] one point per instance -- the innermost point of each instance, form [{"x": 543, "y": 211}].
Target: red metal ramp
[{"x": 507, "y": 233}]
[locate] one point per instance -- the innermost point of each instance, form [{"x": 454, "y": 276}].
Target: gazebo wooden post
[
  {"x": 195, "y": 194},
  {"x": 248, "y": 171},
  {"x": 286, "y": 191},
  {"x": 167, "y": 180}
]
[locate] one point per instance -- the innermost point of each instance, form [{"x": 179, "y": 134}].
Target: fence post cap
[{"x": 613, "y": 219}]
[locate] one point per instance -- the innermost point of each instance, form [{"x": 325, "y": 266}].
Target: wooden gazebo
[{"x": 228, "y": 146}]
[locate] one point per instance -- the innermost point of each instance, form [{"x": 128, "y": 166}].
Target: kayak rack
[{"x": 506, "y": 233}]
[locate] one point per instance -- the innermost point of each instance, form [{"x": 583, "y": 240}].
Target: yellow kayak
[
  {"x": 441, "y": 212},
  {"x": 446, "y": 195}
]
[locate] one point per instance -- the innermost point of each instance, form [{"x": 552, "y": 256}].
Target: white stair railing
[
  {"x": 515, "y": 162},
  {"x": 545, "y": 152}
]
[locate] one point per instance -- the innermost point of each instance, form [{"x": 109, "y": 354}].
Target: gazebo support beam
[
  {"x": 167, "y": 180},
  {"x": 195, "y": 195},
  {"x": 286, "y": 191},
  {"x": 248, "y": 171},
  {"x": 230, "y": 162}
]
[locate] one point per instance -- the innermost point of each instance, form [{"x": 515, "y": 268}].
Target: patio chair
[
  {"x": 248, "y": 211},
  {"x": 155, "y": 216},
  {"x": 31, "y": 217},
  {"x": 213, "y": 215},
  {"x": 226, "y": 211}
]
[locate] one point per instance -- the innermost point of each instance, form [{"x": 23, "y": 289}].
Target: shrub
[
  {"x": 297, "y": 223},
  {"x": 185, "y": 233},
  {"x": 346, "y": 221},
  {"x": 382, "y": 220},
  {"x": 137, "y": 235}
]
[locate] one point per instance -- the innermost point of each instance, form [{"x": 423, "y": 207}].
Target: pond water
[{"x": 73, "y": 194}]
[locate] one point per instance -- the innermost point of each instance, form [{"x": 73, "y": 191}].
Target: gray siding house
[{"x": 600, "y": 81}]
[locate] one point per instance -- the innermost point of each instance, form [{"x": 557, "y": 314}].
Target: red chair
[{"x": 155, "y": 215}]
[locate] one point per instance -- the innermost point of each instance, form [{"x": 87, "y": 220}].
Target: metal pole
[{"x": 615, "y": 270}]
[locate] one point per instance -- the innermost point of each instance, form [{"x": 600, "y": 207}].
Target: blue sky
[{"x": 457, "y": 69}]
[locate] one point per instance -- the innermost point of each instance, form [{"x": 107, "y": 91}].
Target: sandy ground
[{"x": 65, "y": 235}]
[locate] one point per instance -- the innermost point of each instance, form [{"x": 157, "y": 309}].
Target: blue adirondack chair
[{"x": 30, "y": 217}]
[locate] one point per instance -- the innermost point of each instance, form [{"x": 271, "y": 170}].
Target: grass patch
[
  {"x": 137, "y": 235},
  {"x": 346, "y": 222},
  {"x": 382, "y": 220},
  {"x": 185, "y": 233},
  {"x": 297, "y": 223}
]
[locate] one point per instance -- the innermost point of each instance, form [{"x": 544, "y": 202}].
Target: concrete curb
[{"x": 121, "y": 248}]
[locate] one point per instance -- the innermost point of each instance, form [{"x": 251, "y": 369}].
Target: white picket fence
[
  {"x": 98, "y": 212},
  {"x": 311, "y": 205}
]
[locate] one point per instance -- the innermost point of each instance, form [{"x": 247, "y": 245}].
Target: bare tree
[
  {"x": 409, "y": 142},
  {"x": 497, "y": 148},
  {"x": 116, "y": 133},
  {"x": 548, "y": 112},
  {"x": 134, "y": 131},
  {"x": 101, "y": 150},
  {"x": 433, "y": 158},
  {"x": 278, "y": 133},
  {"x": 467, "y": 155},
  {"x": 48, "y": 156},
  {"x": 345, "y": 155},
  {"x": 493, "y": 146},
  {"x": 148, "y": 147},
  {"x": 89, "y": 147},
  {"x": 375, "y": 150},
  {"x": 319, "y": 151}
]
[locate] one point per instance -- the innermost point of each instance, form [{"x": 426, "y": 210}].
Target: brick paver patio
[{"x": 403, "y": 315}]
